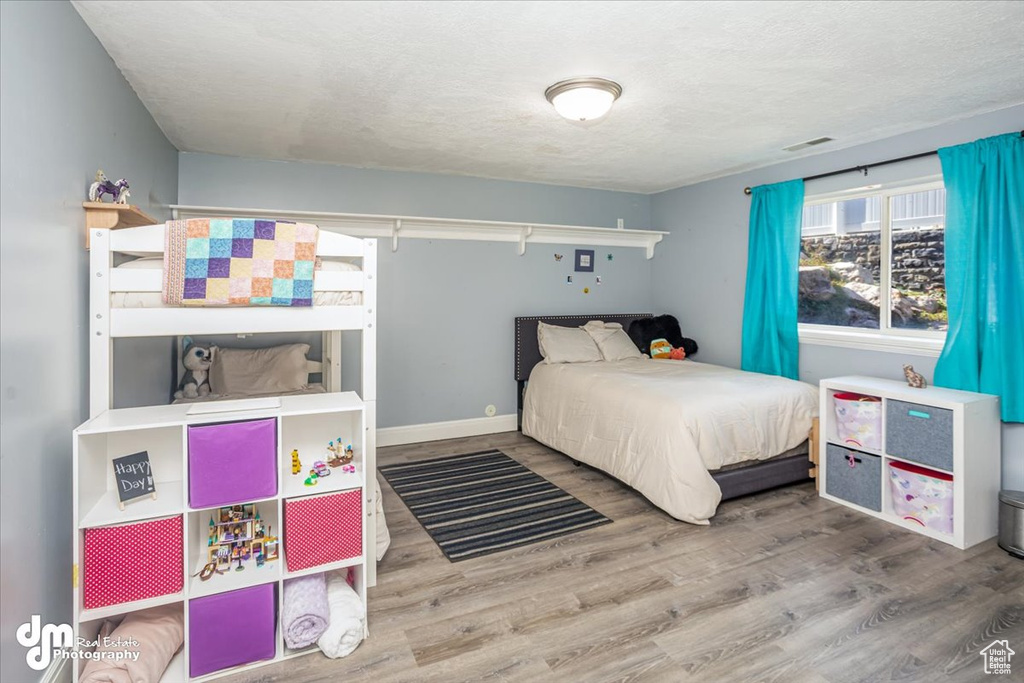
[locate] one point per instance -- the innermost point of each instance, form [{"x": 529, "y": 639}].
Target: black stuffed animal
[{"x": 645, "y": 330}]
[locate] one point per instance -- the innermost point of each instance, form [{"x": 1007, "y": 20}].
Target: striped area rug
[{"x": 482, "y": 503}]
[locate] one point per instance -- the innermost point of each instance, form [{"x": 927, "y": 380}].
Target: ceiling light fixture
[{"x": 583, "y": 99}]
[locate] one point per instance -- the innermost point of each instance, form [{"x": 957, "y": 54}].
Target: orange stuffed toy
[{"x": 660, "y": 348}]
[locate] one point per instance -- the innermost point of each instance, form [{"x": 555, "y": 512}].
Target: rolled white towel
[
  {"x": 383, "y": 535},
  {"x": 346, "y": 628}
]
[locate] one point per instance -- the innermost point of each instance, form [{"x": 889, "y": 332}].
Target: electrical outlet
[{"x": 490, "y": 411}]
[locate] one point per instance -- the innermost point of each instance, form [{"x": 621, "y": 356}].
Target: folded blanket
[
  {"x": 305, "y": 614},
  {"x": 238, "y": 262},
  {"x": 347, "y": 627},
  {"x": 159, "y": 632},
  {"x": 383, "y": 535}
]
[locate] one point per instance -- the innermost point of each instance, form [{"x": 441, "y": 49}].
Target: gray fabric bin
[
  {"x": 860, "y": 484},
  {"x": 920, "y": 433}
]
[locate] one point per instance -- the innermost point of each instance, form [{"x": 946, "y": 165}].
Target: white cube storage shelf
[
  {"x": 304, "y": 423},
  {"x": 951, "y": 433}
]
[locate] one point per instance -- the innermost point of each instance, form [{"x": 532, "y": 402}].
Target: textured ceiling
[{"x": 710, "y": 88}]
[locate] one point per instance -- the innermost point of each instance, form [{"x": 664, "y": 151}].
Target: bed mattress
[
  {"x": 308, "y": 389},
  {"x": 155, "y": 299},
  {"x": 661, "y": 425}
]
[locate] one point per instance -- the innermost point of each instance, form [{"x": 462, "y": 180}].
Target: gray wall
[
  {"x": 66, "y": 110},
  {"x": 704, "y": 261},
  {"x": 445, "y": 333}
]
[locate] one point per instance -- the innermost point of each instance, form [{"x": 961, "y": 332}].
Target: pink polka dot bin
[
  {"x": 132, "y": 562},
  {"x": 322, "y": 529}
]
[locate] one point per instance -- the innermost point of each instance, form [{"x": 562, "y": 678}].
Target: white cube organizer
[
  {"x": 150, "y": 554},
  {"x": 947, "y": 432}
]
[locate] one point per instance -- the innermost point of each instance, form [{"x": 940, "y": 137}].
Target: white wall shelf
[{"x": 399, "y": 227}]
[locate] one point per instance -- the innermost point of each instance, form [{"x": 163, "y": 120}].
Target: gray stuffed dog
[{"x": 197, "y": 359}]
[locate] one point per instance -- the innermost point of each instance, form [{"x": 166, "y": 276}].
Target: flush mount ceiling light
[{"x": 583, "y": 99}]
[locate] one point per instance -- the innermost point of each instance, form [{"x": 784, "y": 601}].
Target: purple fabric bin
[
  {"x": 231, "y": 629},
  {"x": 232, "y": 462}
]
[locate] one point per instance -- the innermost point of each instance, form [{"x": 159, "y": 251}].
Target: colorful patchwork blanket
[{"x": 238, "y": 262}]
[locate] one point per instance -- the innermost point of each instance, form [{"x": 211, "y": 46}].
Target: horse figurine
[{"x": 118, "y": 191}]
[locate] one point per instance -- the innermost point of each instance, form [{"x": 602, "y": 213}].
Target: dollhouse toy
[
  {"x": 236, "y": 534},
  {"x": 296, "y": 463}
]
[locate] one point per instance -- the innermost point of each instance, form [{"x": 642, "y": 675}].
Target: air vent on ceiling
[{"x": 804, "y": 145}]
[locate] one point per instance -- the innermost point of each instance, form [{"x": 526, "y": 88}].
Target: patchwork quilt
[{"x": 238, "y": 262}]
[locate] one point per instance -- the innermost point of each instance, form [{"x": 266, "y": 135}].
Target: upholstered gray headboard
[{"x": 528, "y": 350}]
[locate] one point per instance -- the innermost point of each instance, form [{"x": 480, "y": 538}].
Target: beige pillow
[
  {"x": 259, "y": 371},
  {"x": 566, "y": 344},
  {"x": 612, "y": 341}
]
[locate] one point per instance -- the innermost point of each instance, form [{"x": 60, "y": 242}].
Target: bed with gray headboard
[{"x": 790, "y": 466}]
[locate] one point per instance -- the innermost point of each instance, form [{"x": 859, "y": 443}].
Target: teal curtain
[
  {"x": 984, "y": 348},
  {"x": 770, "y": 342}
]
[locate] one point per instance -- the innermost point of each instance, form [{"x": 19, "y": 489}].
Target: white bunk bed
[{"x": 125, "y": 302}]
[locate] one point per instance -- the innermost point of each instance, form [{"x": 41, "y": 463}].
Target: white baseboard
[
  {"x": 59, "y": 671},
  {"x": 454, "y": 429}
]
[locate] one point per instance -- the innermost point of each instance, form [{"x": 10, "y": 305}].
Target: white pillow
[
  {"x": 144, "y": 263},
  {"x": 272, "y": 370},
  {"x": 612, "y": 340},
  {"x": 328, "y": 266},
  {"x": 566, "y": 344}
]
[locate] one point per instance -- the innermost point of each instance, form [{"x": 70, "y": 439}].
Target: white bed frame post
[
  {"x": 331, "y": 368},
  {"x": 368, "y": 392},
  {"x": 101, "y": 346}
]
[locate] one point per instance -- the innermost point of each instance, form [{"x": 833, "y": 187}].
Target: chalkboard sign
[{"x": 134, "y": 477}]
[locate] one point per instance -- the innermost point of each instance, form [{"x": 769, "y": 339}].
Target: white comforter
[{"x": 660, "y": 425}]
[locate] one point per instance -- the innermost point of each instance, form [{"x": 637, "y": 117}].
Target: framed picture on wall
[{"x": 584, "y": 260}]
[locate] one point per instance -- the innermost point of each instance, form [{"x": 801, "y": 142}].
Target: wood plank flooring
[{"x": 782, "y": 586}]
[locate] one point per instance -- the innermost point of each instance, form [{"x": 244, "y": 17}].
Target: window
[{"x": 875, "y": 263}]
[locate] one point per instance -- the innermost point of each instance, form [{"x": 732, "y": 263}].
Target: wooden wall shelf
[{"x": 110, "y": 216}]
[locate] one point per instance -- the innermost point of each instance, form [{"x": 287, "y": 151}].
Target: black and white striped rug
[{"x": 482, "y": 503}]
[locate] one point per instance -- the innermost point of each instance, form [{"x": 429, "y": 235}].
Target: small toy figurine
[
  {"x": 311, "y": 479},
  {"x": 270, "y": 547},
  {"x": 296, "y": 463},
  {"x": 118, "y": 191},
  {"x": 321, "y": 469},
  {"x": 349, "y": 468},
  {"x": 260, "y": 559},
  {"x": 677, "y": 353},
  {"x": 914, "y": 379},
  {"x": 333, "y": 456}
]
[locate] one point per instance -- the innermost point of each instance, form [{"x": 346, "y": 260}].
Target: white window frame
[{"x": 886, "y": 338}]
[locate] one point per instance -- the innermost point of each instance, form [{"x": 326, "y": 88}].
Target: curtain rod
[{"x": 865, "y": 167}]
